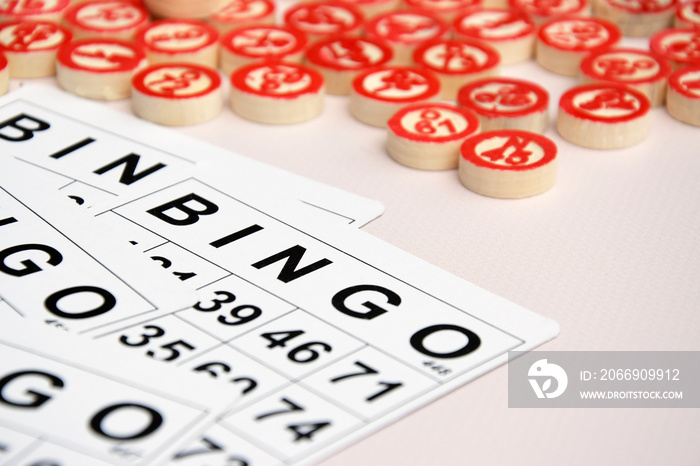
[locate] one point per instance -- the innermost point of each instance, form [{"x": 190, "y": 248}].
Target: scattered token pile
[{"x": 427, "y": 70}]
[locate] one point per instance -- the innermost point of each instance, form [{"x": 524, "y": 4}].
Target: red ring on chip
[
  {"x": 242, "y": 45},
  {"x": 397, "y": 84},
  {"x": 30, "y": 47},
  {"x": 176, "y": 36},
  {"x": 679, "y": 45},
  {"x": 279, "y": 80},
  {"x": 101, "y": 55},
  {"x": 176, "y": 80},
  {"x": 436, "y": 122},
  {"x": 321, "y": 19},
  {"x": 238, "y": 13},
  {"x": 541, "y": 11},
  {"x": 111, "y": 18},
  {"x": 683, "y": 100},
  {"x": 33, "y": 11},
  {"x": 687, "y": 15}
]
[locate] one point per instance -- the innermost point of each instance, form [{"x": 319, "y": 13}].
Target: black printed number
[
  {"x": 306, "y": 352},
  {"x": 367, "y": 370},
  {"x": 302, "y": 431},
  {"x": 237, "y": 315},
  {"x": 166, "y": 352}
]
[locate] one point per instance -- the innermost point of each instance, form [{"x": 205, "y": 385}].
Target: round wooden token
[
  {"x": 683, "y": 100},
  {"x": 637, "y": 18},
  {"x": 277, "y": 92},
  {"x": 428, "y": 136},
  {"x": 4, "y": 75},
  {"x": 30, "y": 47},
  {"x": 319, "y": 20},
  {"x": 457, "y": 62},
  {"x": 45, "y": 10},
  {"x": 562, "y": 43},
  {"x": 541, "y": 11},
  {"x": 507, "y": 103},
  {"x": 603, "y": 116},
  {"x": 98, "y": 68},
  {"x": 378, "y": 93},
  {"x": 681, "y": 46},
  {"x": 240, "y": 13},
  {"x": 511, "y": 32},
  {"x": 176, "y": 94},
  {"x": 404, "y": 30},
  {"x": 687, "y": 15},
  {"x": 119, "y": 19},
  {"x": 508, "y": 164},
  {"x": 180, "y": 40},
  {"x": 184, "y": 8},
  {"x": 645, "y": 71},
  {"x": 447, "y": 10},
  {"x": 254, "y": 43},
  {"x": 341, "y": 58},
  {"x": 371, "y": 8}
]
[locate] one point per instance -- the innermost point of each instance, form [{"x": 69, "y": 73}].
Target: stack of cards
[{"x": 165, "y": 301}]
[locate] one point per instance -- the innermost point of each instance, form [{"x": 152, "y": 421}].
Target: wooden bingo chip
[
  {"x": 541, "y": 11},
  {"x": 447, "y": 10},
  {"x": 603, "y": 116},
  {"x": 680, "y": 46},
  {"x": 428, "y": 136},
  {"x": 105, "y": 18},
  {"x": 30, "y": 47},
  {"x": 98, "y": 68},
  {"x": 645, "y": 71},
  {"x": 511, "y": 32},
  {"x": 277, "y": 92},
  {"x": 319, "y": 20},
  {"x": 637, "y": 18},
  {"x": 508, "y": 164},
  {"x": 507, "y": 103},
  {"x": 378, "y": 93},
  {"x": 683, "y": 100},
  {"x": 687, "y": 15},
  {"x": 190, "y": 9},
  {"x": 4, "y": 75},
  {"x": 371, "y": 8},
  {"x": 180, "y": 40},
  {"x": 176, "y": 94},
  {"x": 457, "y": 62},
  {"x": 254, "y": 43},
  {"x": 562, "y": 43},
  {"x": 28, "y": 10},
  {"x": 404, "y": 30},
  {"x": 238, "y": 13},
  {"x": 341, "y": 58}
]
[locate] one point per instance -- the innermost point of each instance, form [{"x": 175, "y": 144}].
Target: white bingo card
[
  {"x": 65, "y": 400},
  {"x": 97, "y": 156}
]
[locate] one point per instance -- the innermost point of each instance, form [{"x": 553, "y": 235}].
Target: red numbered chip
[
  {"x": 176, "y": 94},
  {"x": 427, "y": 136},
  {"x": 645, "y": 71},
  {"x": 680, "y": 46},
  {"x": 545, "y": 10},
  {"x": 457, "y": 62},
  {"x": 687, "y": 15},
  {"x": 322, "y": 19},
  {"x": 603, "y": 116},
  {"x": 174, "y": 40},
  {"x": 370, "y": 8},
  {"x": 637, "y": 18},
  {"x": 683, "y": 101},
  {"x": 32, "y": 10},
  {"x": 239, "y": 13},
  {"x": 512, "y": 33},
  {"x": 105, "y": 18},
  {"x": 277, "y": 92},
  {"x": 244, "y": 45},
  {"x": 30, "y": 47},
  {"x": 4, "y": 75},
  {"x": 508, "y": 164},
  {"x": 339, "y": 59},
  {"x": 507, "y": 103},
  {"x": 403, "y": 30},
  {"x": 98, "y": 68},
  {"x": 562, "y": 43},
  {"x": 445, "y": 9},
  {"x": 378, "y": 93}
]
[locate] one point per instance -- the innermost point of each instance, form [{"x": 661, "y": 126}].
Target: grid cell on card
[
  {"x": 292, "y": 423},
  {"x": 167, "y": 339},
  {"x": 231, "y": 306},
  {"x": 249, "y": 380},
  {"x": 12, "y": 443},
  {"x": 296, "y": 344},
  {"x": 219, "y": 445},
  {"x": 369, "y": 383},
  {"x": 190, "y": 269}
]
